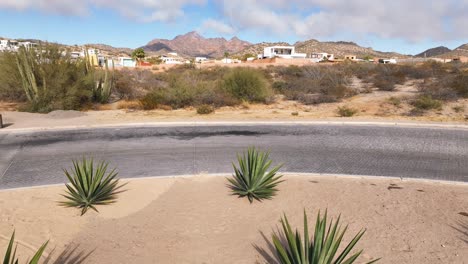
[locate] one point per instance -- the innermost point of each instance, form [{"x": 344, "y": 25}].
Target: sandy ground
[{"x": 196, "y": 220}]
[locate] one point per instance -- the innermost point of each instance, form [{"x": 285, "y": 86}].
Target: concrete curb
[
  {"x": 246, "y": 123},
  {"x": 287, "y": 174}
]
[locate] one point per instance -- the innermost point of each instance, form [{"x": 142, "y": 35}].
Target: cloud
[
  {"x": 211, "y": 25},
  {"x": 141, "y": 10},
  {"x": 414, "y": 21}
]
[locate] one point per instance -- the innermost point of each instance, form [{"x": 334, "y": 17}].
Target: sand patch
[{"x": 196, "y": 220}]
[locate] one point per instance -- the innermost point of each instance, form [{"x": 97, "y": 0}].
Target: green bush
[
  {"x": 247, "y": 84},
  {"x": 426, "y": 102},
  {"x": 205, "y": 109},
  {"x": 90, "y": 186},
  {"x": 10, "y": 79},
  {"x": 50, "y": 79},
  {"x": 345, "y": 111},
  {"x": 10, "y": 254},
  {"x": 252, "y": 179},
  {"x": 321, "y": 248}
]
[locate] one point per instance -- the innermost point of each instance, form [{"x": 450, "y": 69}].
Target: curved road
[{"x": 37, "y": 158}]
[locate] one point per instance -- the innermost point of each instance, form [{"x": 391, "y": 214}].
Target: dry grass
[{"x": 129, "y": 105}]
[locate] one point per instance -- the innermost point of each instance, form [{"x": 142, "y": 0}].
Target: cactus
[
  {"x": 25, "y": 60},
  {"x": 105, "y": 84}
]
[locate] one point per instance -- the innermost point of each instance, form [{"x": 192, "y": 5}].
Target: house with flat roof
[
  {"x": 285, "y": 52},
  {"x": 321, "y": 56}
]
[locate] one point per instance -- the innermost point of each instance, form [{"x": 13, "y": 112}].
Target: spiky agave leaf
[
  {"x": 321, "y": 249},
  {"x": 90, "y": 186},
  {"x": 10, "y": 254},
  {"x": 252, "y": 178}
]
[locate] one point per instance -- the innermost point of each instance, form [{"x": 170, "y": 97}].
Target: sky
[{"x": 404, "y": 26}]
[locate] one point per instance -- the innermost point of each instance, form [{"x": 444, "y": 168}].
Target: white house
[
  {"x": 321, "y": 56},
  {"x": 388, "y": 61},
  {"x": 285, "y": 52},
  {"x": 8, "y": 45},
  {"x": 27, "y": 45},
  {"x": 170, "y": 58},
  {"x": 126, "y": 62},
  {"x": 200, "y": 59}
]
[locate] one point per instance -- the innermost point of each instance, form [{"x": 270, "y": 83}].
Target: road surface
[{"x": 37, "y": 158}]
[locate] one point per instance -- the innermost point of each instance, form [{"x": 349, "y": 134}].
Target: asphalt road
[{"x": 37, "y": 158}]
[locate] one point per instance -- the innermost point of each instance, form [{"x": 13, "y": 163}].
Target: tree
[
  {"x": 226, "y": 54},
  {"x": 139, "y": 54}
]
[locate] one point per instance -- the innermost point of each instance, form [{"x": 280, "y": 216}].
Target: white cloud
[
  {"x": 211, "y": 25},
  {"x": 411, "y": 20},
  {"x": 414, "y": 20},
  {"x": 141, "y": 10}
]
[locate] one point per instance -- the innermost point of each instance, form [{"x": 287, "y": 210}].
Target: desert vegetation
[
  {"x": 10, "y": 253},
  {"x": 321, "y": 248},
  {"x": 252, "y": 178},
  {"x": 48, "y": 80},
  {"x": 90, "y": 185},
  {"x": 51, "y": 81}
]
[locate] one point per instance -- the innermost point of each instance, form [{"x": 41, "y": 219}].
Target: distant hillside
[
  {"x": 434, "y": 52},
  {"x": 110, "y": 50},
  {"x": 256, "y": 49},
  {"x": 193, "y": 44},
  {"x": 461, "y": 51},
  {"x": 339, "y": 49}
]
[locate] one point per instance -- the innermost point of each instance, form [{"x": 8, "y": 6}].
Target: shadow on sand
[{"x": 69, "y": 255}]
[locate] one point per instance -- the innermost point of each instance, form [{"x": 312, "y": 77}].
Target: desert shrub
[
  {"x": 252, "y": 178},
  {"x": 426, "y": 102},
  {"x": 134, "y": 105},
  {"x": 321, "y": 248},
  {"x": 458, "y": 108},
  {"x": 460, "y": 84},
  {"x": 153, "y": 100},
  {"x": 50, "y": 79},
  {"x": 394, "y": 101},
  {"x": 90, "y": 186},
  {"x": 205, "y": 109},
  {"x": 384, "y": 83},
  {"x": 345, "y": 111},
  {"x": 313, "y": 84},
  {"x": 125, "y": 85},
  {"x": 10, "y": 79},
  {"x": 247, "y": 84},
  {"x": 10, "y": 254}
]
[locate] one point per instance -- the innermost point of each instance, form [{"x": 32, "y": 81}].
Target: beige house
[{"x": 350, "y": 57}]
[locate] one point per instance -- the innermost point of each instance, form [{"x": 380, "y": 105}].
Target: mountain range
[{"x": 193, "y": 44}]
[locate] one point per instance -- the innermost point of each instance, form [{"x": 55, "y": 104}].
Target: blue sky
[{"x": 400, "y": 25}]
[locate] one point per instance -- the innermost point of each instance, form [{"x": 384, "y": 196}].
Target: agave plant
[
  {"x": 90, "y": 186},
  {"x": 252, "y": 178},
  {"x": 321, "y": 249},
  {"x": 10, "y": 255}
]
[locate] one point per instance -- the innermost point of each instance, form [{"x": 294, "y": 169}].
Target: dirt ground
[
  {"x": 196, "y": 220},
  {"x": 373, "y": 106}
]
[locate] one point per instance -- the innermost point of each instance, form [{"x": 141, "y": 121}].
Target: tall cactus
[
  {"x": 25, "y": 60},
  {"x": 105, "y": 84}
]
